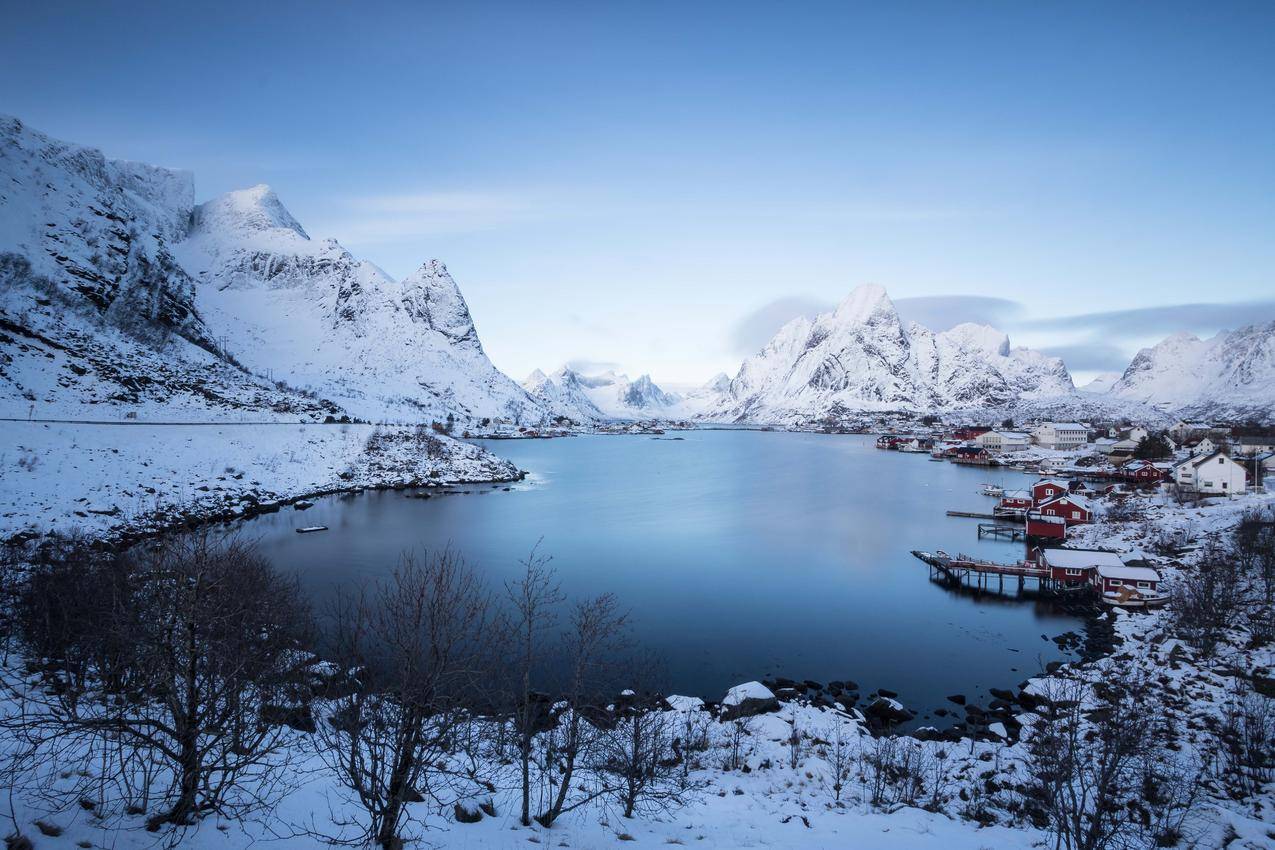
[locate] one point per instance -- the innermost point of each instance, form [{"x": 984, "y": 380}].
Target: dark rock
[
  {"x": 297, "y": 717},
  {"x": 467, "y": 812},
  {"x": 749, "y": 701},
  {"x": 959, "y": 699}
]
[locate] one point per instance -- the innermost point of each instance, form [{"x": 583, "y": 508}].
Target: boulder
[
  {"x": 467, "y": 811},
  {"x": 748, "y": 699},
  {"x": 887, "y": 710}
]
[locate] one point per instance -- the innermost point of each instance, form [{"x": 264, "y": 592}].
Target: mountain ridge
[{"x": 229, "y": 302}]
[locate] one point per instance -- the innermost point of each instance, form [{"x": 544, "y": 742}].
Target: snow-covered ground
[
  {"x": 108, "y": 479},
  {"x": 64, "y": 475}
]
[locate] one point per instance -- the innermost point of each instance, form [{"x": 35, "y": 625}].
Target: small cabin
[
  {"x": 1073, "y": 509},
  {"x": 1019, "y": 500},
  {"x": 1110, "y": 579},
  {"x": 1046, "y": 527},
  {"x": 1142, "y": 472},
  {"x": 1076, "y": 567}
]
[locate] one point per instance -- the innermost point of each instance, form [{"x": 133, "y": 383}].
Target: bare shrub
[
  {"x": 1207, "y": 598},
  {"x": 1098, "y": 774},
  {"x": 164, "y": 662},
  {"x": 416, "y": 646}
]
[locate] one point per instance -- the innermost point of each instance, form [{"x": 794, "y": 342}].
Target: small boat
[
  {"x": 311, "y": 529},
  {"x": 993, "y": 490}
]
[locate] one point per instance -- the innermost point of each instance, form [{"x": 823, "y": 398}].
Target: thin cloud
[
  {"x": 586, "y": 366},
  {"x": 1090, "y": 357},
  {"x": 380, "y": 219},
  {"x": 1164, "y": 320},
  {"x": 941, "y": 312},
  {"x": 753, "y": 330}
]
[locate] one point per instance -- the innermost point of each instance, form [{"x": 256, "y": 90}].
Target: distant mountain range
[
  {"x": 611, "y": 396},
  {"x": 120, "y": 296},
  {"x": 1230, "y": 376}
]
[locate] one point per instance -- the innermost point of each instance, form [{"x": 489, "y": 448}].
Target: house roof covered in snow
[
  {"x": 1128, "y": 573},
  {"x": 1080, "y": 558},
  {"x": 1078, "y": 501}
]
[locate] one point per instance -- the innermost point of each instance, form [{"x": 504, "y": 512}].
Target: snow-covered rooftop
[
  {"x": 1080, "y": 558},
  {"x": 1127, "y": 573}
]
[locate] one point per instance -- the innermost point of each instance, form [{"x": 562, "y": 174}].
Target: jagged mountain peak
[
  {"x": 1229, "y": 375},
  {"x": 606, "y": 395},
  {"x": 979, "y": 337},
  {"x": 860, "y": 357},
  {"x": 431, "y": 295},
  {"x": 866, "y": 303},
  {"x": 256, "y": 210}
]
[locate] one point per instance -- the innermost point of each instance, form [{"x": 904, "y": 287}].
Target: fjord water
[{"x": 741, "y": 555}]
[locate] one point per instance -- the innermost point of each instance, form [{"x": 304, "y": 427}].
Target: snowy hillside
[
  {"x": 120, "y": 297},
  {"x": 1100, "y": 383},
  {"x": 1230, "y": 376},
  {"x": 862, "y": 358}
]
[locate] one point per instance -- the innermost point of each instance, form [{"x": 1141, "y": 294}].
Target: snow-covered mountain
[
  {"x": 861, "y": 358},
  {"x": 591, "y": 398},
  {"x": 1229, "y": 376},
  {"x": 1100, "y": 383},
  {"x": 564, "y": 395},
  {"x": 119, "y": 292}
]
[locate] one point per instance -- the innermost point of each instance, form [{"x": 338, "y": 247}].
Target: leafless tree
[
  {"x": 1207, "y": 599},
  {"x": 737, "y": 735},
  {"x": 1253, "y": 543},
  {"x": 895, "y": 769},
  {"x": 591, "y": 645},
  {"x": 532, "y": 603},
  {"x": 1098, "y": 776},
  {"x": 1247, "y": 740},
  {"x": 640, "y": 765},
  {"x": 167, "y": 662},
  {"x": 416, "y": 645},
  {"x": 840, "y": 758}
]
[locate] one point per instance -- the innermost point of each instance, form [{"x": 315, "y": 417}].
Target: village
[{"x": 1077, "y": 466}]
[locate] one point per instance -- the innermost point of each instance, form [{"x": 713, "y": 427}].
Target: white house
[
  {"x": 1122, "y": 448},
  {"x": 1137, "y": 433},
  {"x": 1060, "y": 435},
  {"x": 1003, "y": 441},
  {"x": 1202, "y": 448},
  {"x": 1253, "y": 445},
  {"x": 1183, "y": 431},
  {"x": 1213, "y": 475}
]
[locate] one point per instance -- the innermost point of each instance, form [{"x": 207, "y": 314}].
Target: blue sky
[{"x": 653, "y": 185}]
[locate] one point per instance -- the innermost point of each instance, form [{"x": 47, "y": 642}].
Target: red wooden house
[
  {"x": 1047, "y": 527},
  {"x": 1070, "y": 508},
  {"x": 1016, "y": 499},
  {"x": 1142, "y": 472},
  {"x": 1048, "y": 489},
  {"x": 969, "y": 432}
]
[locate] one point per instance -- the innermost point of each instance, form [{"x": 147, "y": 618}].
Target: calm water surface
[{"x": 741, "y": 554}]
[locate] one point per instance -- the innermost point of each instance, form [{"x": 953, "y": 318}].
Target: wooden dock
[
  {"x": 973, "y": 514},
  {"x": 976, "y": 572},
  {"x": 998, "y": 531}
]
